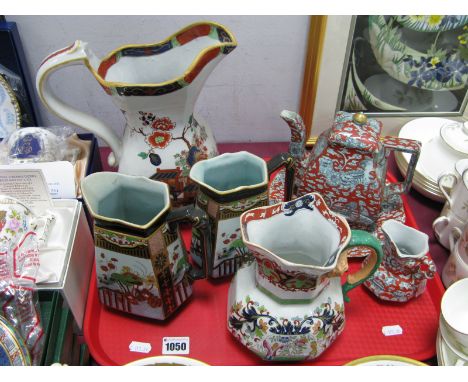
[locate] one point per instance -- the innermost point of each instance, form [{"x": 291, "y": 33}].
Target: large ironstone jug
[{"x": 156, "y": 87}]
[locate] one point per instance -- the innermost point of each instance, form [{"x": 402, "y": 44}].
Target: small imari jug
[
  {"x": 406, "y": 266},
  {"x": 289, "y": 304}
]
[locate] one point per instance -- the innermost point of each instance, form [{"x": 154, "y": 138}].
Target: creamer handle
[{"x": 74, "y": 55}]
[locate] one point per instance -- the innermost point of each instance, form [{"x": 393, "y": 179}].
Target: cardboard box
[{"x": 75, "y": 261}]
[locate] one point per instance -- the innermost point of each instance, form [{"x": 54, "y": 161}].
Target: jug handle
[
  {"x": 286, "y": 160},
  {"x": 199, "y": 219},
  {"x": 407, "y": 146},
  {"x": 362, "y": 238},
  {"x": 442, "y": 189},
  {"x": 73, "y": 55}
]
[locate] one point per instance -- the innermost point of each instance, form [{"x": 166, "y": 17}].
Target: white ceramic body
[
  {"x": 447, "y": 355},
  {"x": 456, "y": 267},
  {"x": 446, "y": 226},
  {"x": 458, "y": 198},
  {"x": 454, "y": 215},
  {"x": 454, "y": 314}
]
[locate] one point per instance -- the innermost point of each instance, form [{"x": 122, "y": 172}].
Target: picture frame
[
  {"x": 333, "y": 68},
  {"x": 14, "y": 70}
]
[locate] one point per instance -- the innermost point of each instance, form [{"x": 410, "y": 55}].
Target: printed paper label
[
  {"x": 59, "y": 176},
  {"x": 140, "y": 347},
  {"x": 393, "y": 330},
  {"x": 28, "y": 186},
  {"x": 176, "y": 345}
]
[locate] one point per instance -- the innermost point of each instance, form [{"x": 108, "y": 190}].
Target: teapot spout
[
  {"x": 297, "y": 147},
  {"x": 296, "y": 124}
]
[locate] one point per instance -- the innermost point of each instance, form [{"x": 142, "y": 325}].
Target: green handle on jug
[{"x": 362, "y": 238}]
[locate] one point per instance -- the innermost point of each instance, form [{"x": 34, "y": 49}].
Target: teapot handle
[
  {"x": 286, "y": 160},
  {"x": 199, "y": 220},
  {"x": 362, "y": 238},
  {"x": 407, "y": 146},
  {"x": 75, "y": 54}
]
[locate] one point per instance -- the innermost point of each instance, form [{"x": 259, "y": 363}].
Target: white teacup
[
  {"x": 446, "y": 226},
  {"x": 454, "y": 316},
  {"x": 457, "y": 197},
  {"x": 456, "y": 267},
  {"x": 455, "y": 212}
]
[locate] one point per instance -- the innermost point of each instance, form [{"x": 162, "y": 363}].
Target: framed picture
[
  {"x": 13, "y": 69},
  {"x": 407, "y": 66},
  {"x": 394, "y": 68}
]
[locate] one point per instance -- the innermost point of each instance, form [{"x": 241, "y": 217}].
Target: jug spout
[{"x": 408, "y": 242}]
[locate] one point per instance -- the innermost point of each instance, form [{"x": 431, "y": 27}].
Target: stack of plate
[
  {"x": 436, "y": 158},
  {"x": 452, "y": 338}
]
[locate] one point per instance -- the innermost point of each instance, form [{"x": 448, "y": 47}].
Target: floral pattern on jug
[
  {"x": 230, "y": 251},
  {"x": 286, "y": 338},
  {"x": 130, "y": 276}
]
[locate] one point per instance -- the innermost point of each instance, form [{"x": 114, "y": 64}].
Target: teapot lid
[{"x": 355, "y": 131}]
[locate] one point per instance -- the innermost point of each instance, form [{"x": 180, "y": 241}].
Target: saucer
[
  {"x": 448, "y": 347},
  {"x": 436, "y": 156},
  {"x": 445, "y": 354}
]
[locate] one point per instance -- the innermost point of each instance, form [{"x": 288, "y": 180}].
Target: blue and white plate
[
  {"x": 13, "y": 351},
  {"x": 10, "y": 117}
]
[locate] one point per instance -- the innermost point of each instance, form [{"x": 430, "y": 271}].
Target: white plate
[
  {"x": 436, "y": 156},
  {"x": 406, "y": 97},
  {"x": 9, "y": 110},
  {"x": 167, "y": 360},
  {"x": 385, "y": 360},
  {"x": 445, "y": 354}
]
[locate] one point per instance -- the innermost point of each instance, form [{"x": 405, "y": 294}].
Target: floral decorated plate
[
  {"x": 13, "y": 351},
  {"x": 10, "y": 117},
  {"x": 432, "y": 23},
  {"x": 167, "y": 361},
  {"x": 430, "y": 67},
  {"x": 385, "y": 360}
]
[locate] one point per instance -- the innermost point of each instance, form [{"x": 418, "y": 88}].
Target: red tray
[{"x": 108, "y": 333}]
